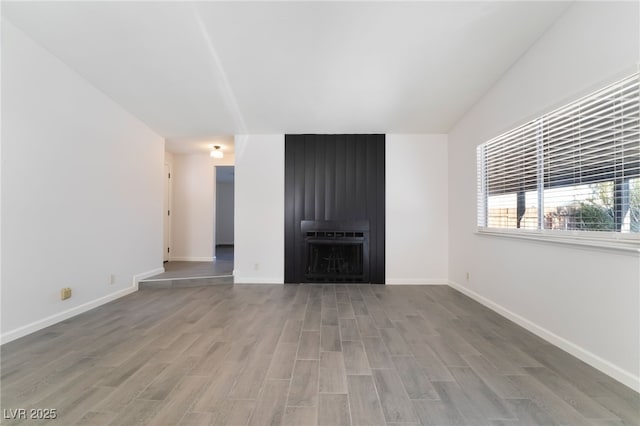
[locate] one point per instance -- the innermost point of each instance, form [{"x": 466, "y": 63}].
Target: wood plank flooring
[{"x": 303, "y": 355}]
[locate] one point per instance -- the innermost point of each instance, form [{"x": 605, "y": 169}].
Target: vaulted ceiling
[{"x": 196, "y": 70}]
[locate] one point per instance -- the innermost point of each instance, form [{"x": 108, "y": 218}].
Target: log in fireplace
[{"x": 336, "y": 251}]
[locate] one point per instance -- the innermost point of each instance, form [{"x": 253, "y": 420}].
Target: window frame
[{"x": 610, "y": 240}]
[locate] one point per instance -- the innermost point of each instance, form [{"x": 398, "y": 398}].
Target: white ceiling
[
  {"x": 200, "y": 144},
  {"x": 196, "y": 71}
]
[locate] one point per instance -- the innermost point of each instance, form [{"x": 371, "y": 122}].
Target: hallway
[{"x": 222, "y": 266}]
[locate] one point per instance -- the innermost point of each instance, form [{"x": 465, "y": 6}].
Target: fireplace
[
  {"x": 336, "y": 251},
  {"x": 334, "y": 209}
]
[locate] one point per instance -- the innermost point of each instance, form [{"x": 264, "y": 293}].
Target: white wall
[
  {"x": 192, "y": 208},
  {"x": 585, "y": 301},
  {"x": 224, "y": 212},
  {"x": 416, "y": 249},
  {"x": 81, "y": 191},
  {"x": 259, "y": 209}
]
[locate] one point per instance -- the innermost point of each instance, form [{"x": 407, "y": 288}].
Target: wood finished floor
[{"x": 304, "y": 355}]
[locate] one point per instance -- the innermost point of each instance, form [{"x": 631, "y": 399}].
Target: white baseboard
[
  {"x": 61, "y": 316},
  {"x": 579, "y": 352},
  {"x": 77, "y": 310},
  {"x": 192, "y": 259},
  {"x": 141, "y": 276},
  {"x": 416, "y": 281},
  {"x": 254, "y": 280}
]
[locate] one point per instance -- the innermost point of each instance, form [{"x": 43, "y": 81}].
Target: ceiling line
[{"x": 228, "y": 96}]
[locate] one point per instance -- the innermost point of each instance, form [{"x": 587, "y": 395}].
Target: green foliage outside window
[
  {"x": 593, "y": 217},
  {"x": 597, "y": 214}
]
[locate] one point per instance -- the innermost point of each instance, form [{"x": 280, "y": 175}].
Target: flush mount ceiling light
[{"x": 216, "y": 151}]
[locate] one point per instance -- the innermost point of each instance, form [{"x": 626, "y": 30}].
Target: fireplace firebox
[{"x": 336, "y": 251}]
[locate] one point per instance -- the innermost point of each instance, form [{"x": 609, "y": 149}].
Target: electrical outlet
[
  {"x": 65, "y": 293},
  {"x": 256, "y": 266},
  {"x": 468, "y": 276},
  {"x": 112, "y": 279}
]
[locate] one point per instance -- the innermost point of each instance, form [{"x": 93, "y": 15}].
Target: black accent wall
[{"x": 334, "y": 178}]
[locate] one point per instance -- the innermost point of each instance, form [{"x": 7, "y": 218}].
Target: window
[{"x": 574, "y": 169}]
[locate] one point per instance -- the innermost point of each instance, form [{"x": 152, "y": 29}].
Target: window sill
[{"x": 630, "y": 245}]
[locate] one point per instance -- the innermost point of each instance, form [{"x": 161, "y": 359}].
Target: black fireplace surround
[
  {"x": 336, "y": 251},
  {"x": 334, "y": 209}
]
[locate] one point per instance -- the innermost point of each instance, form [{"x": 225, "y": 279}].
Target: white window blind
[{"x": 575, "y": 168}]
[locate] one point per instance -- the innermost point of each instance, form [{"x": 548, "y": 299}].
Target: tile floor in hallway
[{"x": 303, "y": 355}]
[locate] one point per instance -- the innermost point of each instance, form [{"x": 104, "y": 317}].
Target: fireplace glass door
[{"x": 335, "y": 261}]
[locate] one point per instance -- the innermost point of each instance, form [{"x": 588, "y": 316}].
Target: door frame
[{"x": 167, "y": 213}]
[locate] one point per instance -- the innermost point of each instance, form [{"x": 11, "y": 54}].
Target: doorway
[
  {"x": 186, "y": 272},
  {"x": 224, "y": 213}
]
